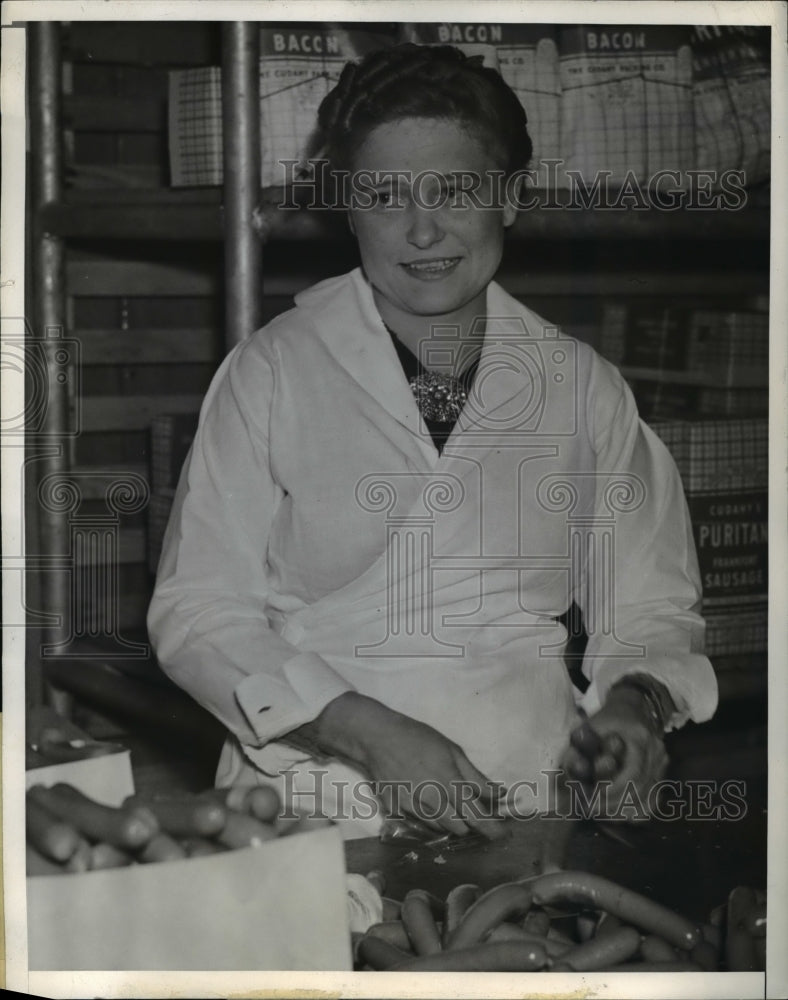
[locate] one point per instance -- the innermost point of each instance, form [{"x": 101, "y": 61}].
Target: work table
[{"x": 688, "y": 865}]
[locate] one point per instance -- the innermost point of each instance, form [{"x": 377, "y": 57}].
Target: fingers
[
  {"x": 577, "y": 765},
  {"x": 586, "y": 740},
  {"x": 476, "y": 799},
  {"x": 606, "y": 767},
  {"x": 613, "y": 743}
]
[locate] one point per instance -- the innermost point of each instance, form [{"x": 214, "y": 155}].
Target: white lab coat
[{"x": 318, "y": 544}]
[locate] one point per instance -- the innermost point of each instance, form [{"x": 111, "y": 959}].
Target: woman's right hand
[{"x": 416, "y": 769}]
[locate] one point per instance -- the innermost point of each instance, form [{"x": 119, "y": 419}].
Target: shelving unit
[
  {"x": 171, "y": 255},
  {"x": 198, "y": 213}
]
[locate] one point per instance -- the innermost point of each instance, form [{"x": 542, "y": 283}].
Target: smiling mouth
[{"x": 431, "y": 268}]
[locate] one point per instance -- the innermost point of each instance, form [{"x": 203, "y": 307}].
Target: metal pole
[
  {"x": 241, "y": 116},
  {"x": 49, "y": 424}
]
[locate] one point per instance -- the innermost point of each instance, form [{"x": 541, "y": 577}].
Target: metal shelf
[{"x": 198, "y": 214}]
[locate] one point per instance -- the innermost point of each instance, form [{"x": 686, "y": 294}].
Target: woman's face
[{"x": 420, "y": 260}]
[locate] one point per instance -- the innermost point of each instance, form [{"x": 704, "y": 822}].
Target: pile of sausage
[
  {"x": 565, "y": 921},
  {"x": 69, "y": 832}
]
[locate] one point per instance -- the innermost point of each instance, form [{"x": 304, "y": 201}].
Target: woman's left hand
[{"x": 618, "y": 749}]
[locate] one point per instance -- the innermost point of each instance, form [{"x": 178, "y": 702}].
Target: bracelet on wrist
[{"x": 654, "y": 705}]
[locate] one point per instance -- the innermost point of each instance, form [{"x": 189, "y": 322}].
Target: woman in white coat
[{"x": 399, "y": 486}]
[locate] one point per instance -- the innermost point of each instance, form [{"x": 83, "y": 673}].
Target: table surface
[{"x": 690, "y": 865}]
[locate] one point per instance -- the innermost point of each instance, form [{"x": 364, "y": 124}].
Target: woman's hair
[{"x": 421, "y": 81}]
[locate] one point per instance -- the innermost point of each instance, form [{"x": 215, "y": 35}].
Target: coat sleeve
[
  {"x": 644, "y": 614},
  {"x": 208, "y": 616}
]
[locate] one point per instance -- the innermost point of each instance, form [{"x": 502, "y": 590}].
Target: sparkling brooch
[{"x": 438, "y": 396}]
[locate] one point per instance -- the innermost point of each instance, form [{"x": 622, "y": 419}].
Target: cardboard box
[
  {"x": 107, "y": 779},
  {"x": 279, "y": 906},
  {"x": 57, "y": 750},
  {"x": 716, "y": 455}
]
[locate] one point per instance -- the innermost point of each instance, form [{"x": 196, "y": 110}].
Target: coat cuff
[
  {"x": 274, "y": 706},
  {"x": 691, "y": 683}
]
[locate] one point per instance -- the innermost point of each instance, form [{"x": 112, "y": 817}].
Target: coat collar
[{"x": 347, "y": 321}]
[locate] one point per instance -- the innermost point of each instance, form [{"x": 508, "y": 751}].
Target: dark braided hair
[{"x": 421, "y": 81}]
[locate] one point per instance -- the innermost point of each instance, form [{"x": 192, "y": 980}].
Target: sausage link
[
  {"x": 123, "y": 828},
  {"x": 37, "y": 864},
  {"x": 513, "y": 932},
  {"x": 656, "y": 949},
  {"x": 612, "y": 949},
  {"x": 705, "y": 955},
  {"x": 630, "y": 907},
  {"x": 80, "y": 860},
  {"x": 607, "y": 924},
  {"x": 200, "y": 847},
  {"x": 241, "y": 830},
  {"x": 419, "y": 923},
  {"x": 499, "y": 904},
  {"x": 162, "y": 847},
  {"x": 536, "y": 922},
  {"x": 459, "y": 899},
  {"x": 183, "y": 817},
  {"x": 379, "y": 954},
  {"x": 48, "y": 834},
  {"x": 686, "y": 966},
  {"x": 713, "y": 935},
  {"x": 263, "y": 803},
  {"x": 392, "y": 932},
  {"x": 496, "y": 956},
  {"x": 740, "y": 953},
  {"x": 103, "y": 856}
]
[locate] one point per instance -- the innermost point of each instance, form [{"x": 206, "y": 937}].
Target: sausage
[
  {"x": 536, "y": 922},
  {"x": 392, "y": 908},
  {"x": 104, "y": 856},
  {"x": 162, "y": 848},
  {"x": 499, "y": 904},
  {"x": 233, "y": 797},
  {"x": 49, "y": 835},
  {"x": 613, "y": 743},
  {"x": 630, "y": 907},
  {"x": 512, "y": 932},
  {"x": 304, "y": 824},
  {"x": 705, "y": 955},
  {"x": 686, "y": 966},
  {"x": 556, "y": 934},
  {"x": 719, "y": 915},
  {"x": 80, "y": 860},
  {"x": 419, "y": 923},
  {"x": 605, "y": 766},
  {"x": 124, "y": 828},
  {"x": 613, "y": 948},
  {"x": 495, "y": 956},
  {"x": 586, "y": 739},
  {"x": 457, "y": 902},
  {"x": 241, "y": 830},
  {"x": 607, "y": 924},
  {"x": 260, "y": 801},
  {"x": 379, "y": 954},
  {"x": 392, "y": 932},
  {"x": 656, "y": 949},
  {"x": 184, "y": 817},
  {"x": 263, "y": 803},
  {"x": 586, "y": 926},
  {"x": 713, "y": 935},
  {"x": 199, "y": 847},
  {"x": 740, "y": 953},
  {"x": 37, "y": 864},
  {"x": 756, "y": 921}
]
